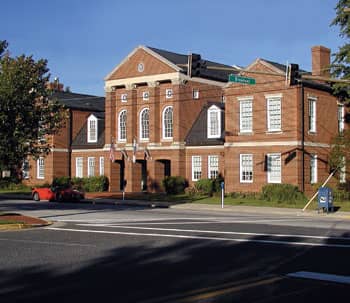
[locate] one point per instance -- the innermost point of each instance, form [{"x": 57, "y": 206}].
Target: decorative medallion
[{"x": 140, "y": 67}]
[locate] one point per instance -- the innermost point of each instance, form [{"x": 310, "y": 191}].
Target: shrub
[
  {"x": 95, "y": 184},
  {"x": 174, "y": 184},
  {"x": 282, "y": 193},
  {"x": 209, "y": 186},
  {"x": 61, "y": 182},
  {"x": 205, "y": 186}
]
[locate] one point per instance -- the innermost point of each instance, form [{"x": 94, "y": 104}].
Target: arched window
[
  {"x": 168, "y": 122},
  {"x": 144, "y": 124},
  {"x": 214, "y": 122},
  {"x": 92, "y": 129},
  {"x": 122, "y": 126}
]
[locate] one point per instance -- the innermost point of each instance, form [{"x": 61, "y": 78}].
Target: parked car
[{"x": 56, "y": 194}]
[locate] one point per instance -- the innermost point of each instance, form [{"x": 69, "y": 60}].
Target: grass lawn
[{"x": 342, "y": 206}]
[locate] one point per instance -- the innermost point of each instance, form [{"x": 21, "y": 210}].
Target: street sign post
[{"x": 240, "y": 79}]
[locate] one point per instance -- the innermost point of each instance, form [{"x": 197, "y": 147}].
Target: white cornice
[{"x": 275, "y": 143}]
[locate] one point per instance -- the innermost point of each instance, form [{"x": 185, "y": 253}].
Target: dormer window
[
  {"x": 92, "y": 129},
  {"x": 214, "y": 122}
]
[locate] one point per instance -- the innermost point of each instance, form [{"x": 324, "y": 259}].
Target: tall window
[
  {"x": 92, "y": 129},
  {"x": 102, "y": 166},
  {"x": 342, "y": 171},
  {"x": 196, "y": 168},
  {"x": 79, "y": 167},
  {"x": 91, "y": 166},
  {"x": 213, "y": 167},
  {"x": 341, "y": 118},
  {"x": 214, "y": 122},
  {"x": 274, "y": 121},
  {"x": 246, "y": 168},
  {"x": 312, "y": 114},
  {"x": 274, "y": 173},
  {"x": 313, "y": 169},
  {"x": 246, "y": 115},
  {"x": 25, "y": 169},
  {"x": 122, "y": 126},
  {"x": 144, "y": 124},
  {"x": 168, "y": 122},
  {"x": 40, "y": 166}
]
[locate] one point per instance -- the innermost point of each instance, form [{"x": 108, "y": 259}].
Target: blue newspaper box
[{"x": 325, "y": 199}]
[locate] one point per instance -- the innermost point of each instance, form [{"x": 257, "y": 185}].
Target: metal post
[{"x": 222, "y": 194}]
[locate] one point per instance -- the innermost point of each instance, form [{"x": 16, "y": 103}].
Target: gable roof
[
  {"x": 80, "y": 101},
  {"x": 80, "y": 141},
  {"x": 178, "y": 62},
  {"x": 197, "y": 136}
]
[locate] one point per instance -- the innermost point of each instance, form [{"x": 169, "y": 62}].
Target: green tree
[
  {"x": 340, "y": 67},
  {"x": 27, "y": 113}
]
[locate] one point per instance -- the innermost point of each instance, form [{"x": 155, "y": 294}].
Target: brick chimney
[
  {"x": 321, "y": 59},
  {"x": 55, "y": 85}
]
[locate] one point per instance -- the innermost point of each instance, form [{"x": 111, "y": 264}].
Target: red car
[{"x": 56, "y": 194}]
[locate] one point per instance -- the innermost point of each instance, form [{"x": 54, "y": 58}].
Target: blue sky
[{"x": 83, "y": 40}]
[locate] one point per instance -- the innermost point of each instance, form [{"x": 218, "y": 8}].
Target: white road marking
[
  {"x": 320, "y": 276},
  {"x": 218, "y": 232},
  {"x": 47, "y": 242},
  {"x": 199, "y": 237}
]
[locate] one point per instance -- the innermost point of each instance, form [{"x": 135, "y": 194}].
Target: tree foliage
[
  {"x": 340, "y": 67},
  {"x": 27, "y": 113}
]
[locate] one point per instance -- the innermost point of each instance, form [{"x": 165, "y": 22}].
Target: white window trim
[
  {"x": 210, "y": 168},
  {"x": 118, "y": 126},
  {"x": 241, "y": 169},
  {"x": 192, "y": 166},
  {"x": 217, "y": 110},
  {"x": 241, "y": 100},
  {"x": 195, "y": 93},
  {"x": 140, "y": 124},
  {"x": 341, "y": 120},
  {"x": 145, "y": 96},
  {"x": 169, "y": 93},
  {"x": 77, "y": 168},
  {"x": 313, "y": 169},
  {"x": 270, "y": 98},
  {"x": 102, "y": 166},
  {"x": 90, "y": 172},
  {"x": 92, "y": 118},
  {"x": 269, "y": 172},
  {"x": 124, "y": 97},
  {"x": 40, "y": 173},
  {"x": 312, "y": 127},
  {"x": 342, "y": 171},
  {"x": 163, "y": 125}
]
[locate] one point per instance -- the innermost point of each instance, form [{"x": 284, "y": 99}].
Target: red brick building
[
  {"x": 166, "y": 119},
  {"x": 169, "y": 114}
]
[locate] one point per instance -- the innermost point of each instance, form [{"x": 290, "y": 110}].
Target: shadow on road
[{"x": 183, "y": 271}]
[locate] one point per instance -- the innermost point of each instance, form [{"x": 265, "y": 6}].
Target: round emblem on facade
[{"x": 140, "y": 67}]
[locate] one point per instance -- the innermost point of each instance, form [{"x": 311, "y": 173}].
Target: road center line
[
  {"x": 199, "y": 237},
  {"x": 218, "y": 232}
]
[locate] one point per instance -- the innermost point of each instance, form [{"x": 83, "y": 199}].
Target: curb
[{"x": 18, "y": 226}]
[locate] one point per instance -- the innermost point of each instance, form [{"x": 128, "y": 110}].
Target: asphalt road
[{"x": 139, "y": 254}]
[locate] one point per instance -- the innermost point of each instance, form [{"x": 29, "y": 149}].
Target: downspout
[
  {"x": 302, "y": 137},
  {"x": 70, "y": 138}
]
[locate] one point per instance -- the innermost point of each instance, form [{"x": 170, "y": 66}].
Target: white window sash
[
  {"x": 312, "y": 115},
  {"x": 213, "y": 167},
  {"x": 313, "y": 169},
  {"x": 92, "y": 130},
  {"x": 122, "y": 125},
  {"x": 144, "y": 125},
  {"x": 246, "y": 169},
  {"x": 79, "y": 167},
  {"x": 91, "y": 166},
  {"x": 214, "y": 123},
  {"x": 274, "y": 168},
  {"x": 341, "y": 113},
  {"x": 274, "y": 114},
  {"x": 102, "y": 166},
  {"x": 196, "y": 168},
  {"x": 342, "y": 171},
  {"x": 246, "y": 116},
  {"x": 40, "y": 168},
  {"x": 167, "y": 122}
]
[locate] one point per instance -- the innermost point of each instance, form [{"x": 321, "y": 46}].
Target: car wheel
[
  {"x": 59, "y": 197},
  {"x": 36, "y": 197}
]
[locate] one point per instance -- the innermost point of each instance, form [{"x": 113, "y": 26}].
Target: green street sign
[{"x": 240, "y": 79}]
